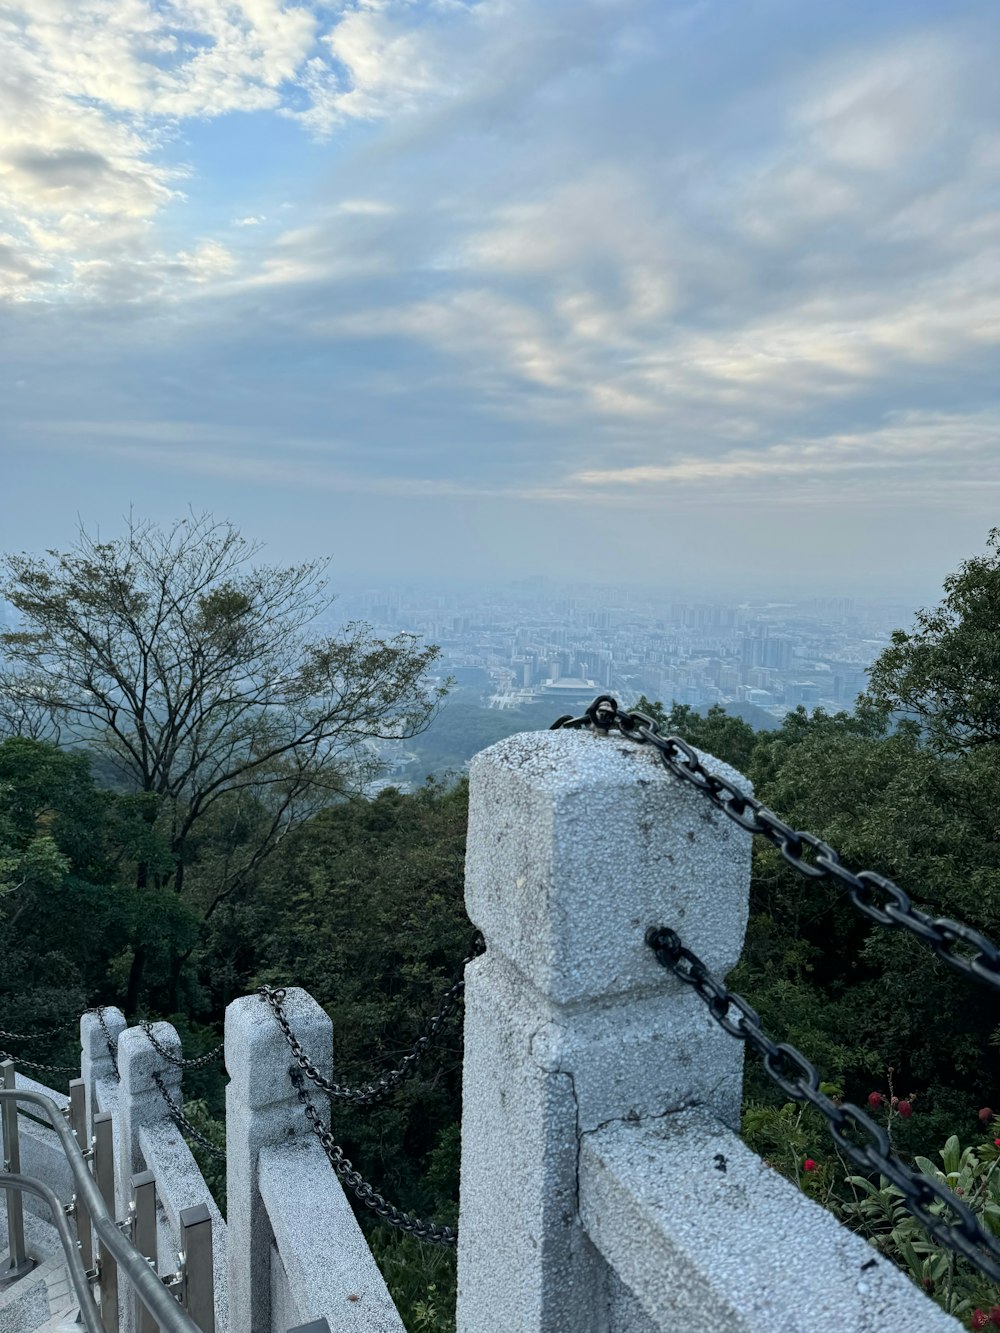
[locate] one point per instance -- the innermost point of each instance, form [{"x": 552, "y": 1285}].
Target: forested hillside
[{"x": 360, "y": 901}]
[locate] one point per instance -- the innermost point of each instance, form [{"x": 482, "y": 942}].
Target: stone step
[{"x": 43, "y": 1298}]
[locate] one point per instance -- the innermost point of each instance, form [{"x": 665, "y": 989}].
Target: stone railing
[
  {"x": 603, "y": 1185},
  {"x": 291, "y": 1256},
  {"x": 604, "y": 1188}
]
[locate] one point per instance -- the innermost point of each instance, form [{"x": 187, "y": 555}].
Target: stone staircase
[{"x": 43, "y": 1300}]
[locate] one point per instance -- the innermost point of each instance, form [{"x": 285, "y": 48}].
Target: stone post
[
  {"x": 140, "y": 1102},
  {"x": 140, "y": 1105},
  {"x": 96, "y": 1064},
  {"x": 262, "y": 1108},
  {"x": 577, "y": 844},
  {"x": 97, "y": 1069}
]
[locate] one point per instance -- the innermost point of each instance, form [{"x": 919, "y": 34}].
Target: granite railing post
[
  {"x": 262, "y": 1108},
  {"x": 97, "y": 1069},
  {"x": 577, "y": 844},
  {"x": 141, "y": 1105},
  {"x": 96, "y": 1064}
]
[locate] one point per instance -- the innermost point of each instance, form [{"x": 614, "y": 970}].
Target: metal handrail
[
  {"x": 148, "y": 1286},
  {"x": 78, "y": 1274}
]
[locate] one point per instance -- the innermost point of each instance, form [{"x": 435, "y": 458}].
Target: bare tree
[{"x": 193, "y": 667}]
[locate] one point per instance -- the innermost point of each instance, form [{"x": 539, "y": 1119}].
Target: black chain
[
  {"x": 964, "y": 949},
  {"x": 33, "y": 1064},
  {"x": 431, "y": 1232},
  {"x": 799, "y": 1079},
  {"x": 39, "y": 1036},
  {"x": 112, "y": 1050},
  {"x": 185, "y": 1125},
  {"x": 369, "y": 1094},
  {"x": 198, "y": 1063}
]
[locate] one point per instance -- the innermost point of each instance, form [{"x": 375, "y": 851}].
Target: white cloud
[
  {"x": 910, "y": 451},
  {"x": 89, "y": 94}
]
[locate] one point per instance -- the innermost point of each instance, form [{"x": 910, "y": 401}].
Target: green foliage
[
  {"x": 793, "y": 1140},
  {"x": 461, "y": 728},
  {"x": 361, "y": 903},
  {"x": 422, "y": 1279},
  {"x": 717, "y": 732},
  {"x": 61, "y": 913},
  {"x": 947, "y": 671},
  {"x": 212, "y": 1168},
  {"x": 190, "y": 667},
  {"x": 365, "y": 909}
]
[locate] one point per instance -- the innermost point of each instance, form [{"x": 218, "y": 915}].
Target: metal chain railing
[
  {"x": 199, "y": 1062},
  {"x": 112, "y": 1048},
  {"x": 798, "y": 1078},
  {"x": 34, "y": 1064},
  {"x": 39, "y": 1036},
  {"x": 185, "y": 1125},
  {"x": 432, "y": 1232},
  {"x": 369, "y": 1094},
  {"x": 961, "y": 947}
]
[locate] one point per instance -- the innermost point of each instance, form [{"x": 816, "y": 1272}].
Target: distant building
[
  {"x": 568, "y": 692},
  {"x": 805, "y": 692}
]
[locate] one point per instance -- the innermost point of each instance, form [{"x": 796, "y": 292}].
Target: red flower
[
  {"x": 809, "y": 1165},
  {"x": 996, "y": 1143},
  {"x": 986, "y": 1113},
  {"x": 978, "y": 1319},
  {"x": 995, "y": 1315},
  {"x": 905, "y": 1110},
  {"x": 875, "y": 1100}
]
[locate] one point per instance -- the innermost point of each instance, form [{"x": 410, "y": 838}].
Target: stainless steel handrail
[
  {"x": 77, "y": 1272},
  {"x": 150, "y": 1289}
]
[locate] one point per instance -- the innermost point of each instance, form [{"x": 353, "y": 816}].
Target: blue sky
[{"x": 599, "y": 288}]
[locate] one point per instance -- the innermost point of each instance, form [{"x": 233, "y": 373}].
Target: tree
[
  {"x": 193, "y": 668},
  {"x": 947, "y": 672},
  {"x": 61, "y": 915},
  {"x": 718, "y": 732}
]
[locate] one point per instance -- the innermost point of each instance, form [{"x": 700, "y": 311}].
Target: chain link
[
  {"x": 112, "y": 1049},
  {"x": 370, "y": 1094},
  {"x": 961, "y": 947},
  {"x": 432, "y": 1232},
  {"x": 184, "y": 1124},
  {"x": 198, "y": 1063},
  {"x": 33, "y": 1064},
  {"x": 925, "y": 1198},
  {"x": 39, "y": 1036}
]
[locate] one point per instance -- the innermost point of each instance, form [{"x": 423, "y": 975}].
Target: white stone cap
[
  {"x": 579, "y": 842},
  {"x": 258, "y": 1057},
  {"x": 139, "y": 1060}
]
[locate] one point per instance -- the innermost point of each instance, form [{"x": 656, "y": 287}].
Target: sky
[{"x": 691, "y": 292}]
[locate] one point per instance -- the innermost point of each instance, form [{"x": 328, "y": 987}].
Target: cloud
[
  {"x": 587, "y": 252},
  {"x": 909, "y": 451},
  {"x": 90, "y": 102}
]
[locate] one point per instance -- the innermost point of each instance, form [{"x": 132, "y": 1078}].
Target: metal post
[
  {"x": 89, "y": 1316},
  {"x": 104, "y": 1172},
  {"x": 78, "y": 1124},
  {"x": 144, "y": 1238},
  {"x": 171, "y": 1316},
  {"x": 199, "y": 1281},
  {"x": 19, "y": 1261}
]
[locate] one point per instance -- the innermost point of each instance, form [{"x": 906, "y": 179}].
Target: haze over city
[{"x": 694, "y": 293}]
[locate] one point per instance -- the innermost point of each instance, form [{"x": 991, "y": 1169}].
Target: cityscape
[{"x": 540, "y": 649}]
